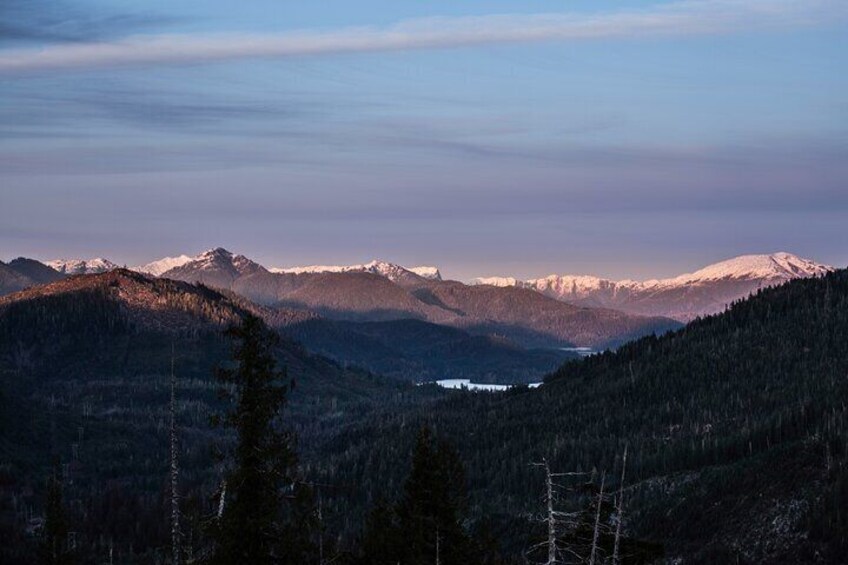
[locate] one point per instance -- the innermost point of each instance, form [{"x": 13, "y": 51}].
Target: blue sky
[{"x": 625, "y": 139}]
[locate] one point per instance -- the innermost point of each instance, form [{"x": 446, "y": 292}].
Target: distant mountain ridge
[
  {"x": 381, "y": 292},
  {"x": 354, "y": 293},
  {"x": 377, "y": 267},
  {"x": 81, "y": 266},
  {"x": 402, "y": 349},
  {"x": 685, "y": 297},
  {"x": 22, "y": 273}
]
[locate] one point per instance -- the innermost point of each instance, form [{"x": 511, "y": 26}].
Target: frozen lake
[
  {"x": 467, "y": 384},
  {"x": 581, "y": 351}
]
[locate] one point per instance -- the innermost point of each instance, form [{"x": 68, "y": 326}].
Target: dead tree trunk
[
  {"x": 438, "y": 547},
  {"x": 555, "y": 520},
  {"x": 222, "y": 502},
  {"x": 596, "y": 536},
  {"x": 619, "y": 511}
]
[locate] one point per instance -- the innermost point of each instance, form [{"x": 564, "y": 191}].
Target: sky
[{"x": 627, "y": 139}]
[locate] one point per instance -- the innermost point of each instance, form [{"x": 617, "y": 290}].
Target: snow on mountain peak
[
  {"x": 82, "y": 266},
  {"x": 430, "y": 273},
  {"x": 163, "y": 265},
  {"x": 391, "y": 271},
  {"x": 497, "y": 281},
  {"x": 780, "y": 266},
  {"x": 220, "y": 258}
]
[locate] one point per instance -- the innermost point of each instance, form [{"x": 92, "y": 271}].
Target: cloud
[
  {"x": 56, "y": 21},
  {"x": 682, "y": 18}
]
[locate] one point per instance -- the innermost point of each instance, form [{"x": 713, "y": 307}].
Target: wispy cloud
[
  {"x": 59, "y": 21},
  {"x": 687, "y": 17}
]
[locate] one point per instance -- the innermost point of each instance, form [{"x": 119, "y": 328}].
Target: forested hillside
[
  {"x": 736, "y": 428},
  {"x": 84, "y": 380}
]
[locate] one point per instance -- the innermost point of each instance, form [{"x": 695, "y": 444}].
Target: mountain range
[
  {"x": 558, "y": 311},
  {"x": 685, "y": 297},
  {"x": 380, "y": 292},
  {"x": 707, "y": 291}
]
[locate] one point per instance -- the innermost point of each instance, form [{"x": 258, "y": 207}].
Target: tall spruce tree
[
  {"x": 429, "y": 515},
  {"x": 252, "y": 527},
  {"x": 381, "y": 542}
]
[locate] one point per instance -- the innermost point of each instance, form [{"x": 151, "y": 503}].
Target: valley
[{"x": 701, "y": 409}]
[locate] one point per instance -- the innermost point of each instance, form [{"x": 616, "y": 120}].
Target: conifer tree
[
  {"x": 430, "y": 512},
  {"x": 381, "y": 543},
  {"x": 252, "y": 527}
]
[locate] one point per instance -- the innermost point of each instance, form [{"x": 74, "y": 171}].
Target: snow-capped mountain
[
  {"x": 82, "y": 266},
  {"x": 383, "y": 268},
  {"x": 163, "y": 265},
  {"x": 216, "y": 267},
  {"x": 426, "y": 272},
  {"x": 706, "y": 291},
  {"x": 778, "y": 266},
  {"x": 498, "y": 281}
]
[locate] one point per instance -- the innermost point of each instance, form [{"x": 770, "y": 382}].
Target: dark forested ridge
[
  {"x": 735, "y": 428},
  {"x": 84, "y": 367}
]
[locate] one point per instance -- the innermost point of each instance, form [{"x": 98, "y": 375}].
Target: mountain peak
[
  {"x": 82, "y": 266},
  {"x": 427, "y": 272},
  {"x": 216, "y": 253},
  {"x": 163, "y": 265},
  {"x": 781, "y": 266}
]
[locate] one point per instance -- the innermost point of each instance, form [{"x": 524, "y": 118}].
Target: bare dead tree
[
  {"x": 619, "y": 511},
  {"x": 175, "y": 470},
  {"x": 222, "y": 501},
  {"x": 438, "y": 547},
  {"x": 597, "y": 532},
  {"x": 555, "y": 520}
]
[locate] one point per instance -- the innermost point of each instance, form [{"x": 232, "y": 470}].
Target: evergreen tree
[
  {"x": 252, "y": 527},
  {"x": 434, "y": 500},
  {"x": 381, "y": 543},
  {"x": 54, "y": 549}
]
